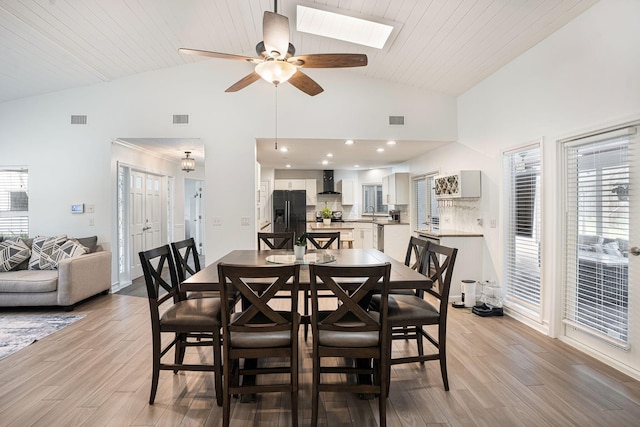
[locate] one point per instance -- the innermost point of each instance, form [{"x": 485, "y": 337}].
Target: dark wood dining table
[{"x": 402, "y": 277}]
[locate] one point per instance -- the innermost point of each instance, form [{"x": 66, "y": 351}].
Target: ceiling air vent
[
  {"x": 78, "y": 120},
  {"x": 396, "y": 120},
  {"x": 180, "y": 119}
]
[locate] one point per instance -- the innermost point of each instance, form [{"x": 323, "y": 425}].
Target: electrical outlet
[
  {"x": 493, "y": 223},
  {"x": 217, "y": 221},
  {"x": 244, "y": 221},
  {"x": 92, "y": 222}
]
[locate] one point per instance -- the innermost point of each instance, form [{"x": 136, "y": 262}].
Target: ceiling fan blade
[
  {"x": 305, "y": 83},
  {"x": 243, "y": 82},
  {"x": 275, "y": 33},
  {"x": 218, "y": 55},
  {"x": 329, "y": 60}
]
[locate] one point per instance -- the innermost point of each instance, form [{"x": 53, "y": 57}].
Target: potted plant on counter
[
  {"x": 300, "y": 246},
  {"x": 326, "y": 213}
]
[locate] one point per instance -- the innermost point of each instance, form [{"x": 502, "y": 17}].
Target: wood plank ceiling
[{"x": 446, "y": 46}]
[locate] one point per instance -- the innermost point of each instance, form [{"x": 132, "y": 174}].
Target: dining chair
[
  {"x": 323, "y": 240},
  {"x": 414, "y": 312},
  {"x": 187, "y": 259},
  {"x": 185, "y": 318},
  {"x": 280, "y": 240},
  {"x": 258, "y": 331},
  {"x": 319, "y": 240},
  {"x": 351, "y": 331}
]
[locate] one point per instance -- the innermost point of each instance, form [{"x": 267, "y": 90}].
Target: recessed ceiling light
[
  {"x": 284, "y": 149},
  {"x": 342, "y": 27},
  {"x": 349, "y": 142},
  {"x": 391, "y": 143},
  {"x": 380, "y": 150},
  {"x": 329, "y": 155},
  {"x": 287, "y": 166},
  {"x": 325, "y": 162},
  {"x": 356, "y": 166}
]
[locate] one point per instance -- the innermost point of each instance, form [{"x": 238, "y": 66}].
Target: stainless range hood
[{"x": 327, "y": 183}]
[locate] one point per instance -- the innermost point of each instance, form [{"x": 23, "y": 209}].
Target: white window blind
[
  {"x": 522, "y": 173},
  {"x": 14, "y": 202},
  {"x": 597, "y": 235}
]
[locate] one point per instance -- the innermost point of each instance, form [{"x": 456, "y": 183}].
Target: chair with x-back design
[{"x": 259, "y": 331}]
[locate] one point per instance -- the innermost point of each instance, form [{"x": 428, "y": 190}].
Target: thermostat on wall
[{"x": 79, "y": 208}]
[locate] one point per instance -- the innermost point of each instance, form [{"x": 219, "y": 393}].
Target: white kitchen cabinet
[
  {"x": 290, "y": 184},
  {"x": 396, "y": 240},
  {"x": 457, "y": 185},
  {"x": 468, "y": 264},
  {"x": 363, "y": 235},
  {"x": 346, "y": 187},
  {"x": 312, "y": 192},
  {"x": 395, "y": 189}
]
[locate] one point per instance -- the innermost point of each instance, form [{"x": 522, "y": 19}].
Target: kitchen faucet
[{"x": 369, "y": 211}]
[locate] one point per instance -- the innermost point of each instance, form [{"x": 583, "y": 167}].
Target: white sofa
[{"x": 75, "y": 280}]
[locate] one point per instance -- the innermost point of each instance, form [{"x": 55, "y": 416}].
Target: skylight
[{"x": 342, "y": 27}]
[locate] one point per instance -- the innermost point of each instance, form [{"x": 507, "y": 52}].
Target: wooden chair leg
[
  {"x": 156, "y": 369},
  {"x": 306, "y": 313},
  {"x": 217, "y": 362},
  {"x": 442, "y": 350},
  {"x": 315, "y": 395},
  {"x": 419, "y": 342}
]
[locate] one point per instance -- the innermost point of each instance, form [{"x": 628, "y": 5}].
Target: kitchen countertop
[
  {"x": 334, "y": 226},
  {"x": 448, "y": 233},
  {"x": 373, "y": 221}
]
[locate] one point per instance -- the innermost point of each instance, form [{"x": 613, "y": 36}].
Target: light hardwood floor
[{"x": 96, "y": 372}]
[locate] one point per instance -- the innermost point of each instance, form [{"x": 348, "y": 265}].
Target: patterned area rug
[{"x": 18, "y": 331}]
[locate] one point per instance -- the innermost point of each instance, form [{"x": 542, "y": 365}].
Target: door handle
[
  {"x": 146, "y": 228},
  {"x": 634, "y": 251}
]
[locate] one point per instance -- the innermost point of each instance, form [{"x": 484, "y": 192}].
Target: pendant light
[{"x": 188, "y": 163}]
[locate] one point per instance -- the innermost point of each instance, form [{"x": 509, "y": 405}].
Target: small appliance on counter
[{"x": 395, "y": 216}]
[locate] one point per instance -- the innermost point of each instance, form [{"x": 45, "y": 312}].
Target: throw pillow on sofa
[
  {"x": 12, "y": 254},
  {"x": 69, "y": 249},
  {"x": 42, "y": 251}
]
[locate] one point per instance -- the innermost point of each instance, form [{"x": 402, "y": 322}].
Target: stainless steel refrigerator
[{"x": 290, "y": 211}]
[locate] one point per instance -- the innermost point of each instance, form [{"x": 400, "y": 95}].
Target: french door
[
  {"x": 145, "y": 217},
  {"x": 601, "y": 237}
]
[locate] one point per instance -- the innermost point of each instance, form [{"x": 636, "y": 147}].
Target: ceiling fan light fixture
[
  {"x": 188, "y": 164},
  {"x": 275, "y": 72}
]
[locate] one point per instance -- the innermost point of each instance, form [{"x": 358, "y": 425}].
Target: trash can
[{"x": 468, "y": 288}]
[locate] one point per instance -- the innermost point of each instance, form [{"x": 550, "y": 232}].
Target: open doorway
[
  {"x": 194, "y": 212},
  {"x": 157, "y": 201}
]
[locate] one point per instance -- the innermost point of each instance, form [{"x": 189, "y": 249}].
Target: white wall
[
  {"x": 71, "y": 163},
  {"x": 581, "y": 78}
]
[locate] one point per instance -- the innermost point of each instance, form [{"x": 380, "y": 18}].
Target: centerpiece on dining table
[{"x": 300, "y": 246}]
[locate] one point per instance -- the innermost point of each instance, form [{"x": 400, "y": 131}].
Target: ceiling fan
[{"x": 276, "y": 62}]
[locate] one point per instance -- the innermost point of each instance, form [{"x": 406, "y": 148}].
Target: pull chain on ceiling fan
[{"x": 276, "y": 62}]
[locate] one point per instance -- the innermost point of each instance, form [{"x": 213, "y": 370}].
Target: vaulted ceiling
[{"x": 446, "y": 46}]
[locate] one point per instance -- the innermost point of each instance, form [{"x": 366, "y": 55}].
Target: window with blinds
[
  {"x": 522, "y": 173},
  {"x": 426, "y": 205},
  {"x": 14, "y": 202},
  {"x": 596, "y": 294}
]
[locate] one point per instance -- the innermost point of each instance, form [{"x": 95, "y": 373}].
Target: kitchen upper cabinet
[
  {"x": 346, "y": 187},
  {"x": 290, "y": 184},
  {"x": 457, "y": 185},
  {"x": 312, "y": 192},
  {"x": 395, "y": 189}
]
